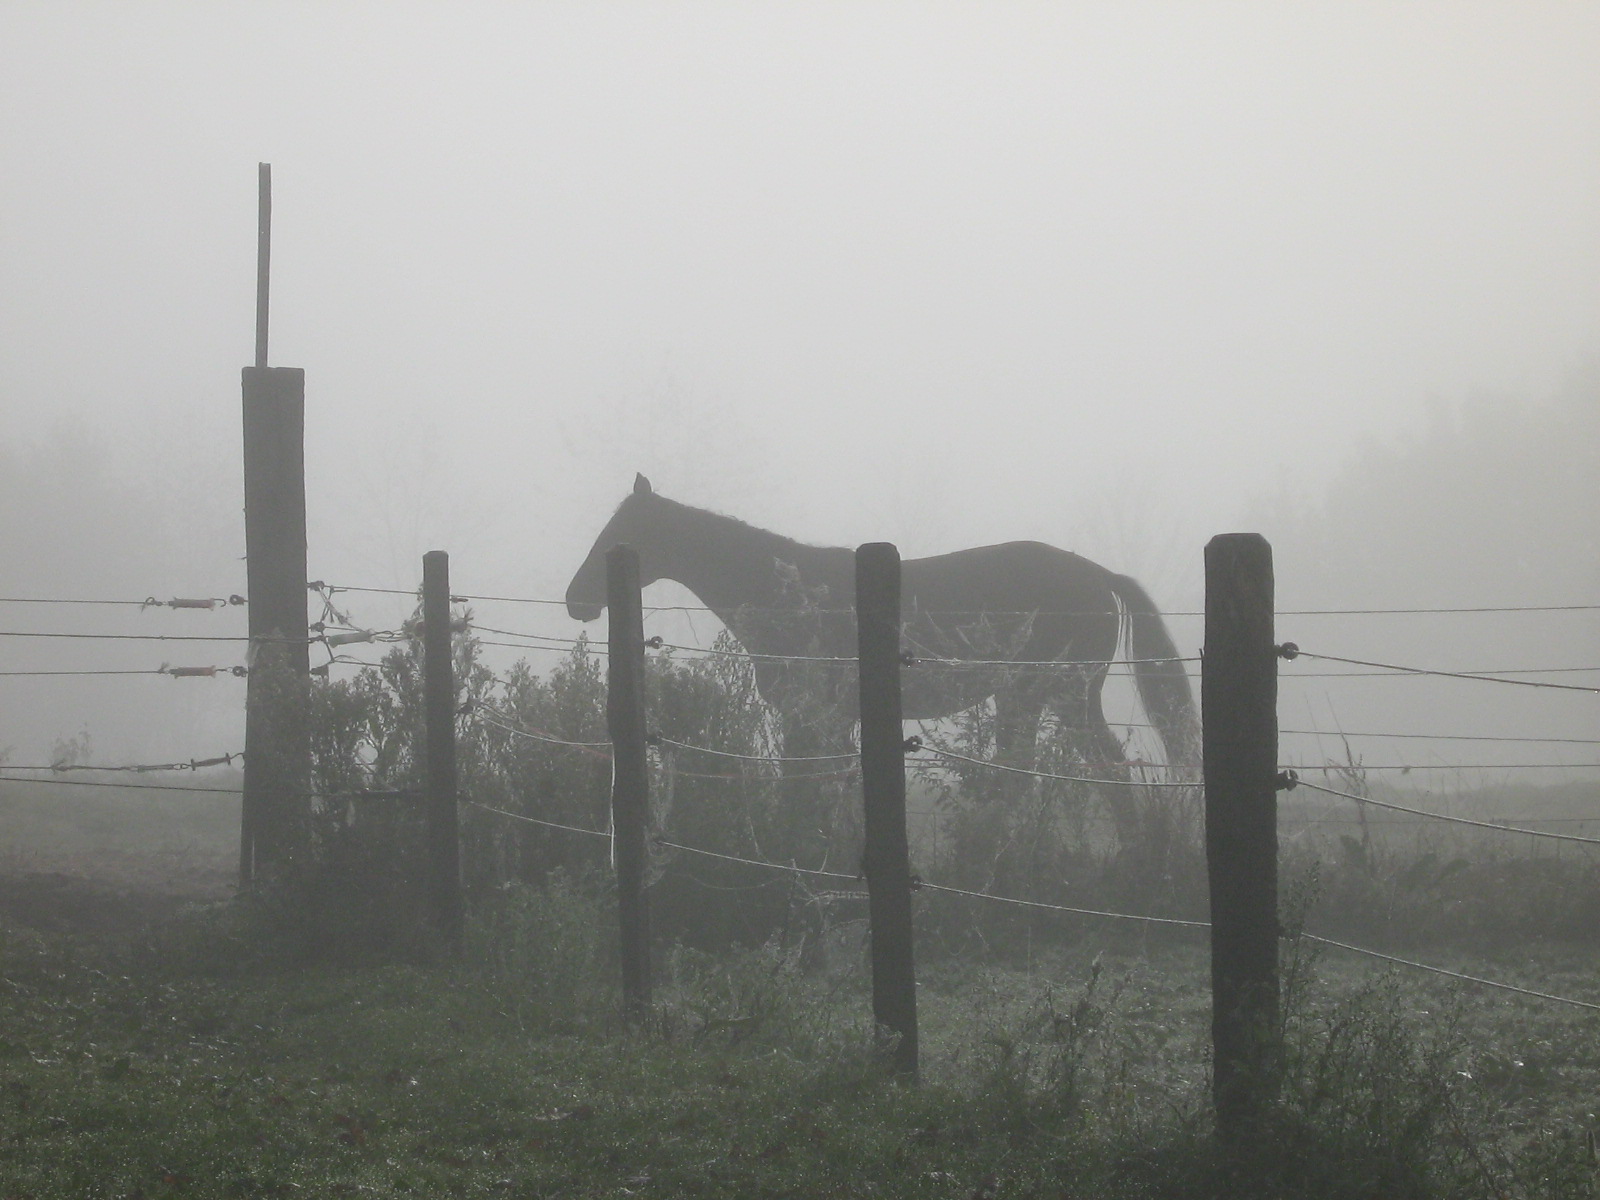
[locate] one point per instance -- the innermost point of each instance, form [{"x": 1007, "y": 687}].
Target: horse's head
[{"x": 586, "y": 594}]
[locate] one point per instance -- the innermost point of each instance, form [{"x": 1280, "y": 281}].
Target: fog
[{"x": 1114, "y": 276}]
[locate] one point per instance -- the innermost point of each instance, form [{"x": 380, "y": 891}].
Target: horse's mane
[{"x": 743, "y": 528}]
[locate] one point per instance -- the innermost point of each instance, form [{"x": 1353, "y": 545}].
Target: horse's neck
[{"x": 732, "y": 566}]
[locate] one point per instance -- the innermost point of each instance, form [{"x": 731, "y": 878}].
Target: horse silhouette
[{"x": 1025, "y": 623}]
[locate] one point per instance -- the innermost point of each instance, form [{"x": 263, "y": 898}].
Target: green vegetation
[
  {"x": 307, "y": 1040},
  {"x": 181, "y": 1064}
]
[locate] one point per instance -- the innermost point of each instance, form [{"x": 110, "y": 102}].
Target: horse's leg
[{"x": 1082, "y": 712}]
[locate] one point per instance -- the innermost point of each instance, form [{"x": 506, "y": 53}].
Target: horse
[{"x": 1039, "y": 626}]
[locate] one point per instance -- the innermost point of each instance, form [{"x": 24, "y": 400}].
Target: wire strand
[
  {"x": 1406, "y": 962},
  {"x": 851, "y": 756},
  {"x": 1419, "y": 812},
  {"x": 1482, "y": 678},
  {"x": 980, "y": 762},
  {"x": 1062, "y": 908}
]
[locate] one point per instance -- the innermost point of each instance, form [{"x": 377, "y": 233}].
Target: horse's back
[{"x": 1008, "y": 577}]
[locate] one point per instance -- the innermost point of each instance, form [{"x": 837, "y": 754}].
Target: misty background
[{"x": 1114, "y": 276}]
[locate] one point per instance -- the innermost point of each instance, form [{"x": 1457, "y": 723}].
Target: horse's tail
[{"x": 1162, "y": 680}]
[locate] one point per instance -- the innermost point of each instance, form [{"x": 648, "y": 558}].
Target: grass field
[{"x": 153, "y": 1044}]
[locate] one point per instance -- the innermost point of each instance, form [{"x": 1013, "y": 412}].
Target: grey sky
[{"x": 1097, "y": 273}]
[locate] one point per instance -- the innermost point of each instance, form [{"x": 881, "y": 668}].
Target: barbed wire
[
  {"x": 205, "y": 602},
  {"x": 1437, "y": 737},
  {"x": 1454, "y": 820},
  {"x": 152, "y": 637},
  {"x": 599, "y": 833},
  {"x": 193, "y": 764},
  {"x": 175, "y": 672},
  {"x": 1407, "y": 962},
  {"x": 503, "y": 721},
  {"x": 1480, "y": 677},
  {"x": 1292, "y": 612},
  {"x": 934, "y": 661},
  {"x": 924, "y": 885},
  {"x": 1060, "y": 908},
  {"x": 663, "y": 739},
  {"x": 598, "y": 650},
  {"x": 754, "y": 862},
  {"x": 119, "y": 785},
  {"x": 1406, "y": 767},
  {"x": 995, "y": 766}
]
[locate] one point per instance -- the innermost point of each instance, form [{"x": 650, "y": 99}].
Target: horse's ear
[{"x": 641, "y": 486}]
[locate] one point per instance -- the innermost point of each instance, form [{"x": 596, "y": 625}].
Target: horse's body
[{"x": 1018, "y": 603}]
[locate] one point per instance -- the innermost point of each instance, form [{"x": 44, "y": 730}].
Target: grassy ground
[
  {"x": 172, "y": 1064},
  {"x": 150, "y": 1047}
]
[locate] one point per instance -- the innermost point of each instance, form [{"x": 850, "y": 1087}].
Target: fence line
[
  {"x": 1436, "y": 737},
  {"x": 151, "y": 637},
  {"x": 211, "y": 602},
  {"x": 1419, "y": 766},
  {"x": 664, "y": 740},
  {"x": 1433, "y": 816},
  {"x": 981, "y": 762},
  {"x": 1292, "y": 651},
  {"x": 924, "y": 885},
  {"x": 193, "y": 764},
  {"x": 96, "y": 783},
  {"x": 1406, "y": 962},
  {"x": 175, "y": 672},
  {"x": 534, "y": 735},
  {"x": 1301, "y": 612}
]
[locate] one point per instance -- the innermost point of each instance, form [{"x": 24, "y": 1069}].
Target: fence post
[
  {"x": 1239, "y": 696},
  {"x": 630, "y": 781},
  {"x": 439, "y": 705},
  {"x": 886, "y": 857},
  {"x": 277, "y": 771},
  {"x": 263, "y": 257}
]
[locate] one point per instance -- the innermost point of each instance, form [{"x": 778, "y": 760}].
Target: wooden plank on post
[
  {"x": 1239, "y": 699},
  {"x": 886, "y": 855},
  {"x": 439, "y": 704},
  {"x": 630, "y": 781},
  {"x": 263, "y": 257},
  {"x": 277, "y": 765}
]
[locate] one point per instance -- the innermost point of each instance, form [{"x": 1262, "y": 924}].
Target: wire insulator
[
  {"x": 345, "y": 639},
  {"x": 190, "y": 672},
  {"x": 655, "y": 643},
  {"x": 911, "y": 745},
  {"x": 1289, "y": 651},
  {"x": 1288, "y": 780}
]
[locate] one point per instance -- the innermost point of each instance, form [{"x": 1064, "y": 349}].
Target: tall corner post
[
  {"x": 263, "y": 257},
  {"x": 886, "y": 854},
  {"x": 630, "y": 780},
  {"x": 439, "y": 704},
  {"x": 277, "y": 764},
  {"x": 1239, "y": 697}
]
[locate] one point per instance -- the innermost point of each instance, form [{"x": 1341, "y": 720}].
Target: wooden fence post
[
  {"x": 439, "y": 705},
  {"x": 630, "y": 781},
  {"x": 277, "y": 771},
  {"x": 263, "y": 257},
  {"x": 886, "y": 856},
  {"x": 1239, "y": 697}
]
